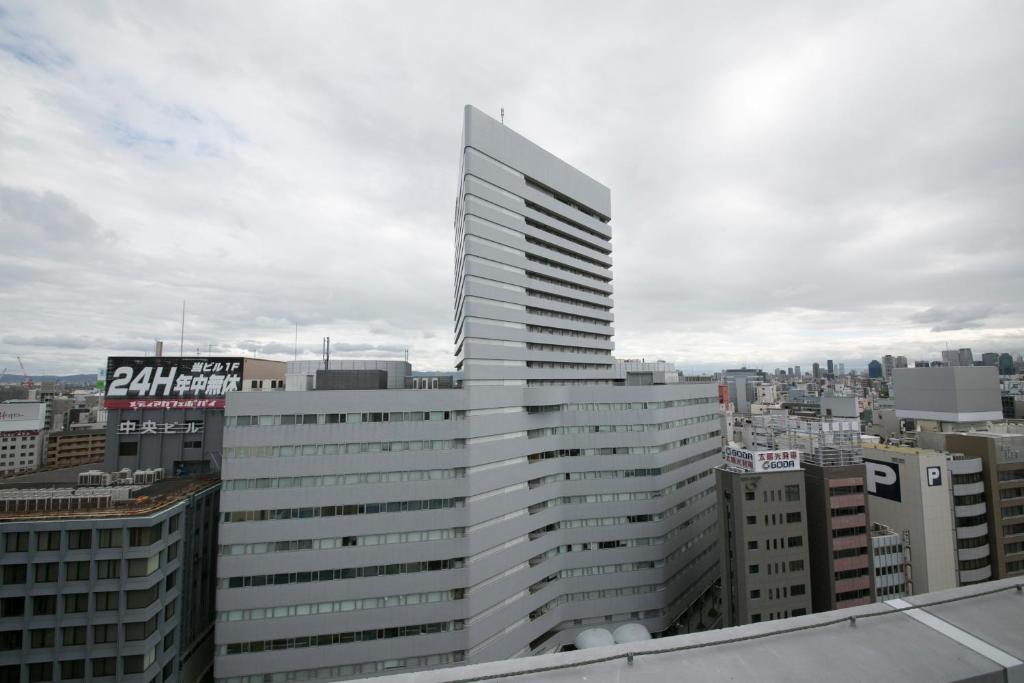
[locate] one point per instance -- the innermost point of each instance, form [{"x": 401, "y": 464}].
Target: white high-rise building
[{"x": 555, "y": 490}]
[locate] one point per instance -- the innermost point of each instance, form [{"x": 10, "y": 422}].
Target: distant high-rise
[
  {"x": 888, "y": 365},
  {"x": 796, "y": 372},
  {"x": 1005, "y": 364},
  {"x": 831, "y": 368},
  {"x": 815, "y": 370},
  {"x": 901, "y": 361},
  {"x": 875, "y": 369}
]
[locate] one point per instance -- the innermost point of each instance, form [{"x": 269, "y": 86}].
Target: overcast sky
[{"x": 790, "y": 182}]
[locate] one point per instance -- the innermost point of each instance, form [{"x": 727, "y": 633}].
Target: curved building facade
[{"x": 554, "y": 491}]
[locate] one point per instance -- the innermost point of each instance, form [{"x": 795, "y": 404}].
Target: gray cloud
[{"x": 789, "y": 182}]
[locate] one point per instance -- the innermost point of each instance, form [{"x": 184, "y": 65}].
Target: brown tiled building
[{"x": 76, "y": 447}]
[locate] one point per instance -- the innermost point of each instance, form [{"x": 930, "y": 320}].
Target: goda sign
[
  {"x": 762, "y": 461},
  {"x": 171, "y": 382},
  {"x": 883, "y": 479}
]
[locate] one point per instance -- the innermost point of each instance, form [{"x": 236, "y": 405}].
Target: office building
[
  {"x": 762, "y": 536},
  {"x": 990, "y": 359},
  {"x": 875, "y": 370},
  {"x": 742, "y": 385},
  {"x": 958, "y": 358},
  {"x": 934, "y": 500},
  {"x": 1002, "y": 458},
  {"x": 551, "y": 491},
  {"x": 110, "y": 580},
  {"x": 888, "y": 365},
  {"x": 901, "y": 361},
  {"x": 1006, "y": 364},
  {"x": 168, "y": 412},
  {"x": 888, "y": 563},
  {"x": 815, "y": 370},
  {"x": 831, "y": 368},
  {"x": 837, "y": 517},
  {"x": 21, "y": 436},
  {"x": 797, "y": 372}
]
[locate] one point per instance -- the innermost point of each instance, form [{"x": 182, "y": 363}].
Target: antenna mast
[
  {"x": 181, "y": 342},
  {"x": 327, "y": 353}
]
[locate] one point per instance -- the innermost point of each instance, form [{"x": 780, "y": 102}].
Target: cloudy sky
[{"x": 790, "y": 182}]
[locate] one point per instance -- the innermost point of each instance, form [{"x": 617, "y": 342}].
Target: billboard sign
[
  {"x": 164, "y": 382},
  {"x": 21, "y": 417},
  {"x": 883, "y": 479},
  {"x": 762, "y": 461}
]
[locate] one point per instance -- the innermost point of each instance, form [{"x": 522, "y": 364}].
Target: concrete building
[
  {"x": 958, "y": 358},
  {"x": 75, "y": 447},
  {"x": 549, "y": 493},
  {"x": 888, "y": 562},
  {"x": 21, "y": 436},
  {"x": 901, "y": 361},
  {"x": 742, "y": 385},
  {"x": 875, "y": 369},
  {"x": 107, "y": 581},
  {"x": 990, "y": 359},
  {"x": 762, "y": 528},
  {"x": 837, "y": 516},
  {"x": 928, "y": 498},
  {"x": 947, "y": 398},
  {"x": 168, "y": 412},
  {"x": 1002, "y": 458}
]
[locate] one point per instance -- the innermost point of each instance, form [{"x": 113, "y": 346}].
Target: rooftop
[
  {"x": 965, "y": 634},
  {"x": 60, "y": 497}
]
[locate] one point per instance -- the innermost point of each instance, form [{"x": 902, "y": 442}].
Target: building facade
[
  {"x": 22, "y": 444},
  {"x": 551, "y": 492},
  {"x": 76, "y": 447},
  {"x": 97, "y": 584},
  {"x": 762, "y": 527},
  {"x": 168, "y": 412}
]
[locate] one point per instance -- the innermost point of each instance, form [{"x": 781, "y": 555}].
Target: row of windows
[
  {"x": 1012, "y": 511},
  {"x": 49, "y": 572},
  {"x": 785, "y": 614},
  {"x": 1011, "y": 475},
  {"x": 547, "y": 313},
  {"x": 629, "y": 450},
  {"x": 349, "y": 670},
  {"x": 564, "y": 283},
  {"x": 561, "y": 348},
  {"x": 341, "y": 542},
  {"x": 71, "y": 669},
  {"x": 344, "y": 479},
  {"x": 309, "y": 450},
  {"x": 343, "y": 510},
  {"x": 343, "y": 418},
  {"x": 341, "y": 574},
  {"x": 851, "y": 531},
  {"x": 635, "y": 405},
  {"x": 557, "y": 265},
  {"x": 789, "y": 494},
  {"x": 781, "y": 592},
  {"x": 590, "y": 429},
  {"x": 81, "y": 539},
  {"x": 567, "y": 300},
  {"x": 79, "y": 602},
  {"x": 543, "y": 244},
  {"x": 326, "y": 639},
  {"x": 562, "y": 332},
  {"x": 616, "y": 497},
  {"x": 1016, "y": 492},
  {"x": 551, "y": 365},
  {"x": 777, "y": 543},
  {"x": 340, "y": 606}
]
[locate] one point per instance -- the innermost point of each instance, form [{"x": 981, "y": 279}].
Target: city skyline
[{"x": 153, "y": 155}]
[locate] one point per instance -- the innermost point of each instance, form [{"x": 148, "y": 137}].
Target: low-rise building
[
  {"x": 75, "y": 447},
  {"x": 21, "y": 436}
]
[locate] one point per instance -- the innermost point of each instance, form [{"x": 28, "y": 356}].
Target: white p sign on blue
[{"x": 933, "y": 475}]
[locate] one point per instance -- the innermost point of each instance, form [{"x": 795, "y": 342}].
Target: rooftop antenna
[
  {"x": 327, "y": 353},
  {"x": 407, "y": 355},
  {"x": 503, "y": 116},
  {"x": 181, "y": 342},
  {"x": 296, "y": 354}
]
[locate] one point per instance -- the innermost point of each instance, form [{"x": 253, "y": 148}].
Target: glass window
[
  {"x": 47, "y": 540},
  {"x": 110, "y": 538},
  {"x": 16, "y": 541},
  {"x": 41, "y": 637},
  {"x": 104, "y": 666},
  {"x": 76, "y": 602}
]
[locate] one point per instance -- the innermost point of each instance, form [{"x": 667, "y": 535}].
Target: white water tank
[
  {"x": 631, "y": 633},
  {"x": 593, "y": 637}
]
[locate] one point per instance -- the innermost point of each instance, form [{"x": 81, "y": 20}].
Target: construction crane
[{"x": 28, "y": 380}]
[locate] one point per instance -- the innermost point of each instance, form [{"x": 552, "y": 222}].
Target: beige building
[
  {"x": 910, "y": 490},
  {"x": 77, "y": 447}
]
